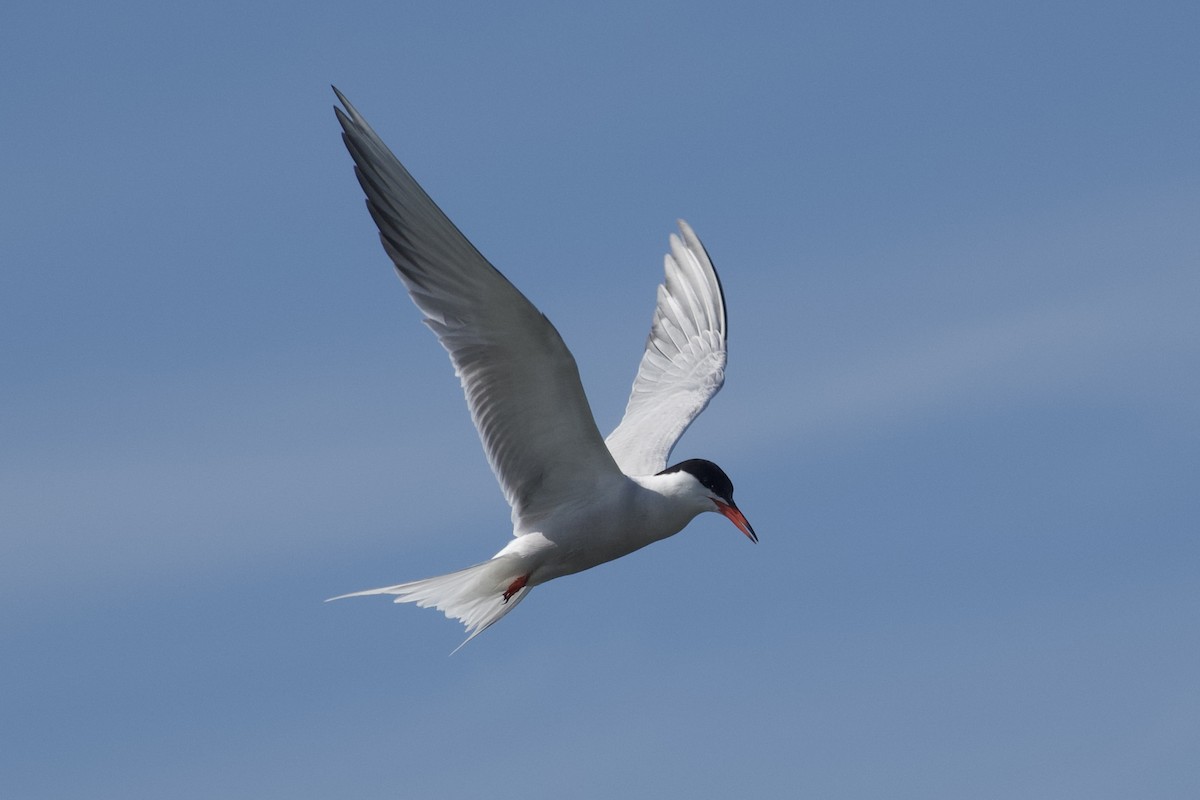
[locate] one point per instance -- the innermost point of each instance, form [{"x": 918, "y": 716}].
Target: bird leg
[{"x": 515, "y": 587}]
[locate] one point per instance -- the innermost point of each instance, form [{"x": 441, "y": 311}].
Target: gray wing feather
[
  {"x": 684, "y": 362},
  {"x": 521, "y": 382}
]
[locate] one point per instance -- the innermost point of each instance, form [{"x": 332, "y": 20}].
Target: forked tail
[{"x": 477, "y": 596}]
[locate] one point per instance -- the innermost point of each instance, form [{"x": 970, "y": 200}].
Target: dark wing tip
[{"x": 690, "y": 237}]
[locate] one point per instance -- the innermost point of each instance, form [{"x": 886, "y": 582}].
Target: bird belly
[{"x": 587, "y": 537}]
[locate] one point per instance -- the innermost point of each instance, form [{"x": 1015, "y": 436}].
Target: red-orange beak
[{"x": 734, "y": 515}]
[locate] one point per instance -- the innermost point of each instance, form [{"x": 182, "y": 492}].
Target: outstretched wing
[
  {"x": 684, "y": 363},
  {"x": 521, "y": 381}
]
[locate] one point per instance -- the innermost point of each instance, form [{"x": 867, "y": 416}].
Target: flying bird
[{"x": 578, "y": 500}]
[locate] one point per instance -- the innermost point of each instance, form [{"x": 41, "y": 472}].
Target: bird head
[{"x": 715, "y": 489}]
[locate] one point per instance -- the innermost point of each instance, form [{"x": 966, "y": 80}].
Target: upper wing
[
  {"x": 521, "y": 382},
  {"x": 684, "y": 363}
]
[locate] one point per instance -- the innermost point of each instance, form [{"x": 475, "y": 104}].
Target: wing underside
[
  {"x": 521, "y": 382},
  {"x": 683, "y": 365}
]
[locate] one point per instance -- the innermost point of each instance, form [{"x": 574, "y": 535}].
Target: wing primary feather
[
  {"x": 683, "y": 365},
  {"x": 520, "y": 381}
]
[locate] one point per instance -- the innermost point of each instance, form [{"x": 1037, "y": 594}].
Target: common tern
[{"x": 577, "y": 500}]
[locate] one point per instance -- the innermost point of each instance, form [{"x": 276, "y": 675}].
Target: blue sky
[{"x": 961, "y": 255}]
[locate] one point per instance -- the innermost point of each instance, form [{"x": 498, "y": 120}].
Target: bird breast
[{"x": 614, "y": 522}]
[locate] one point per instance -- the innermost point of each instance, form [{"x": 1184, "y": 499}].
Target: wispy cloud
[
  {"x": 1138, "y": 344},
  {"x": 226, "y": 467}
]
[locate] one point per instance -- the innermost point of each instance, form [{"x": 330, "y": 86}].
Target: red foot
[{"x": 515, "y": 587}]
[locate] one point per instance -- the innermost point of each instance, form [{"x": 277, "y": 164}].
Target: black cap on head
[{"x": 709, "y": 475}]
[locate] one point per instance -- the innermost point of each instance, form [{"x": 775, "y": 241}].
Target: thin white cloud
[
  {"x": 1138, "y": 344},
  {"x": 227, "y": 470}
]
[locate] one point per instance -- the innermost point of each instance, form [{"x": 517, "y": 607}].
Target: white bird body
[
  {"x": 604, "y": 522},
  {"x": 577, "y": 500}
]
